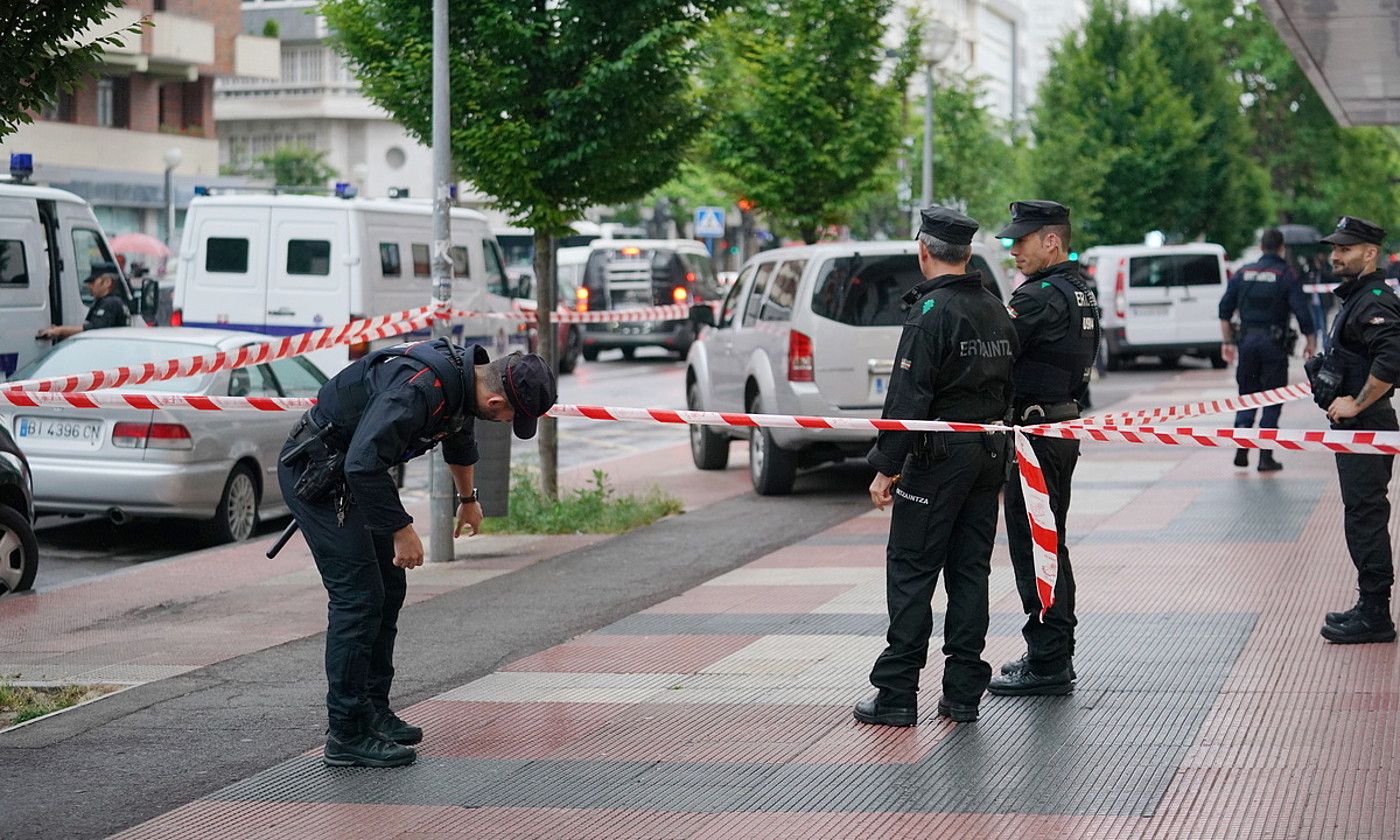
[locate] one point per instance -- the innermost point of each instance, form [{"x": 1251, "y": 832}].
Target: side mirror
[
  {"x": 701, "y": 315},
  {"x": 150, "y": 299}
]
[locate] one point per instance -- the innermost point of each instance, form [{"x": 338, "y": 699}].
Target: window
[
  {"x": 460, "y": 266},
  {"x": 104, "y": 102},
  {"x": 252, "y": 382},
  {"x": 422, "y": 266},
  {"x": 298, "y": 377},
  {"x": 731, "y": 300},
  {"x": 783, "y": 292},
  {"x": 865, "y": 291},
  {"x": 389, "y": 265},
  {"x": 226, "y": 256},
  {"x": 496, "y": 281},
  {"x": 760, "y": 286},
  {"x": 60, "y": 109},
  {"x": 309, "y": 256},
  {"x": 14, "y": 271},
  {"x": 1161, "y": 270},
  {"x": 90, "y": 251},
  {"x": 113, "y": 102},
  {"x": 989, "y": 280}
]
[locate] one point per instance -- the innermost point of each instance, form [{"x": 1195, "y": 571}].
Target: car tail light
[
  {"x": 1120, "y": 290},
  {"x": 800, "y": 365},
  {"x": 177, "y": 318},
  {"x": 581, "y": 297},
  {"x": 151, "y": 436},
  {"x": 679, "y": 294}
]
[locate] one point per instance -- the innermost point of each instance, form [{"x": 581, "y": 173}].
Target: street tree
[
  {"x": 44, "y": 56},
  {"x": 808, "y": 106},
  {"x": 296, "y": 166},
  {"x": 557, "y": 105}
]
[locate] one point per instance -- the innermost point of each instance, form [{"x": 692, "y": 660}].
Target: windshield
[
  {"x": 83, "y": 355},
  {"x": 865, "y": 291},
  {"x": 1174, "y": 270}
]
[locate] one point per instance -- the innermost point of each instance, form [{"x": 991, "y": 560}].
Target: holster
[{"x": 322, "y": 465}]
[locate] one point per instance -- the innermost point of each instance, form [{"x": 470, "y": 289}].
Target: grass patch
[
  {"x": 595, "y": 509},
  {"x": 19, "y": 703}
]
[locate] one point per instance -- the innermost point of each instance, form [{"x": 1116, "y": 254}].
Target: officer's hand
[
  {"x": 881, "y": 490},
  {"x": 1310, "y": 347},
  {"x": 408, "y": 549},
  {"x": 1343, "y": 408},
  {"x": 1227, "y": 352},
  {"x": 468, "y": 516}
]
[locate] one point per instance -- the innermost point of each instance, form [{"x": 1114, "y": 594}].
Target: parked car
[
  {"x": 1159, "y": 301},
  {"x": 639, "y": 273},
  {"x": 215, "y": 466},
  {"x": 809, "y": 330},
  {"x": 19, "y": 550}
]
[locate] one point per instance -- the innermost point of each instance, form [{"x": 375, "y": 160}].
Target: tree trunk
[{"x": 548, "y": 347}]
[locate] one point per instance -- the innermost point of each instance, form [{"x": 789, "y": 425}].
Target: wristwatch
[{"x": 466, "y": 500}]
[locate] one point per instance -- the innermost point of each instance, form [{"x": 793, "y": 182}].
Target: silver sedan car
[{"x": 215, "y": 466}]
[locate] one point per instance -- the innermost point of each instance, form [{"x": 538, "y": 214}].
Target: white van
[
  {"x": 285, "y": 264},
  {"x": 1160, "y": 301},
  {"x": 49, "y": 243}
]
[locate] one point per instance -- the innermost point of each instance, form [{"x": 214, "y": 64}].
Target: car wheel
[
  {"x": 708, "y": 449},
  {"x": 573, "y": 346},
  {"x": 1217, "y": 360},
  {"x": 1171, "y": 360},
  {"x": 590, "y": 354},
  {"x": 237, "y": 514},
  {"x": 629, "y": 353},
  {"x": 19, "y": 551},
  {"x": 771, "y": 467}
]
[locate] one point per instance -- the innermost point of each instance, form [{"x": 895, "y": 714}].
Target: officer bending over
[
  {"x": 336, "y": 473},
  {"x": 1263, "y": 292},
  {"x": 108, "y": 309},
  {"x": 1056, "y": 316},
  {"x": 1354, "y": 381},
  {"x": 953, "y": 363}
]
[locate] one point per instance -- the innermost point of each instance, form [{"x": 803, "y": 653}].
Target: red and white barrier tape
[
  {"x": 1259, "y": 399},
  {"x": 771, "y": 421},
  {"x": 1354, "y": 442},
  {"x": 1045, "y": 535},
  {"x": 671, "y": 312},
  {"x": 151, "y": 402}
]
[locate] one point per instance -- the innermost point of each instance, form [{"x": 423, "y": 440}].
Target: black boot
[
  {"x": 1339, "y": 618},
  {"x": 365, "y": 749},
  {"x": 955, "y": 711},
  {"x": 1023, "y": 661},
  {"x": 391, "y": 727},
  {"x": 1029, "y": 682},
  {"x": 1241, "y": 457},
  {"x": 883, "y": 713},
  {"x": 1371, "y": 623},
  {"x": 1267, "y": 462}
]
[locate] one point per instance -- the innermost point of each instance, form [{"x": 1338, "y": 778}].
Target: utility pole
[{"x": 441, "y": 492}]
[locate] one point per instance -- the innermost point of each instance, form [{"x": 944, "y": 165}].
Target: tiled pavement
[{"x": 1207, "y": 705}]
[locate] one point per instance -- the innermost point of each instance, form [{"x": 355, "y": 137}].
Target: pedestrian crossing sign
[{"x": 709, "y": 221}]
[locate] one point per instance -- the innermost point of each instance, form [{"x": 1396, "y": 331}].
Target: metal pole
[
  {"x": 441, "y": 492},
  {"x": 927, "y": 191},
  {"x": 169, "y": 205}
]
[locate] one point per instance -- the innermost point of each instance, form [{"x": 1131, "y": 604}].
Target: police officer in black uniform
[
  {"x": 1354, "y": 382},
  {"x": 336, "y": 474},
  {"x": 1056, "y": 316},
  {"x": 1263, "y": 292},
  {"x": 953, "y": 363},
  {"x": 108, "y": 309}
]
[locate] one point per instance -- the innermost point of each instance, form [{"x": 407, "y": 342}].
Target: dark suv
[
  {"x": 19, "y": 550},
  {"x": 639, "y": 273}
]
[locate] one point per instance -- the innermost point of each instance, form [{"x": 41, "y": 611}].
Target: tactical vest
[
  {"x": 1057, "y": 371},
  {"x": 1259, "y": 292},
  {"x": 344, "y": 406},
  {"x": 1351, "y": 366}
]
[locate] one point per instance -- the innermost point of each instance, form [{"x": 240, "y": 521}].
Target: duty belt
[
  {"x": 1044, "y": 412},
  {"x": 1273, "y": 331}
]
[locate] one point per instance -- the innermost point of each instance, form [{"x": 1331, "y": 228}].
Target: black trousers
[
  {"x": 1263, "y": 364},
  {"x": 366, "y": 593},
  {"x": 1365, "y": 480},
  {"x": 944, "y": 520},
  {"x": 1049, "y": 641}
]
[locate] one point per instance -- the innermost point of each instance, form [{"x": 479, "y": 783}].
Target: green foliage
[
  {"x": 595, "y": 509},
  {"x": 810, "y": 106},
  {"x": 21, "y": 703},
  {"x": 271, "y": 28},
  {"x": 975, "y": 166},
  {"x": 296, "y": 166},
  {"x": 40, "y": 59}
]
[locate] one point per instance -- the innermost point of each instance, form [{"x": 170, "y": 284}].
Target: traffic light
[{"x": 745, "y": 205}]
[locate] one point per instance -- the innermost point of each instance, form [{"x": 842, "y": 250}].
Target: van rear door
[
  {"x": 859, "y": 317},
  {"x": 1151, "y": 313},
  {"x": 225, "y": 273},
  {"x": 24, "y": 284},
  {"x": 308, "y": 272},
  {"x": 1199, "y": 284}
]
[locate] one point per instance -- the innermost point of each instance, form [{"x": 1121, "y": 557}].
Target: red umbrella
[{"x": 139, "y": 244}]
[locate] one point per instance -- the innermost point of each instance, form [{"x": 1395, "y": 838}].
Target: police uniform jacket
[
  {"x": 1369, "y": 328},
  {"x": 1264, "y": 292},
  {"x": 953, "y": 362},
  {"x": 390, "y": 407},
  {"x": 109, "y": 311},
  {"x": 1056, "y": 317}
]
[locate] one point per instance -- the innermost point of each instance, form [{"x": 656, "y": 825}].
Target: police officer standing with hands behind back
[
  {"x": 1263, "y": 292},
  {"x": 383, "y": 410},
  {"x": 1354, "y": 381},
  {"x": 1056, "y": 317},
  {"x": 953, "y": 363}
]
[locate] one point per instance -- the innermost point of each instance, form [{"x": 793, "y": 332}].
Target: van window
[
  {"x": 14, "y": 271},
  {"x": 731, "y": 300},
  {"x": 389, "y": 264},
  {"x": 496, "y": 281},
  {"x": 1161, "y": 270},
  {"x": 226, "y": 256},
  {"x": 865, "y": 291},
  {"x": 90, "y": 250},
  {"x": 783, "y": 292},
  {"x": 309, "y": 256},
  {"x": 756, "y": 294},
  {"x": 297, "y": 376},
  {"x": 422, "y": 265}
]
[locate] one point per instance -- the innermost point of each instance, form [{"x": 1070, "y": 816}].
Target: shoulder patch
[
  {"x": 1044, "y": 284},
  {"x": 1376, "y": 320},
  {"x": 1011, "y": 310},
  {"x": 928, "y": 304},
  {"x": 1377, "y": 292}
]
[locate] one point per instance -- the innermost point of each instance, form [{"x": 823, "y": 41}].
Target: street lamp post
[
  {"x": 937, "y": 46},
  {"x": 172, "y": 160}
]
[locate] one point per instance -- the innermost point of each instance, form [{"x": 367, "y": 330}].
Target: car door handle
[{"x": 286, "y": 310}]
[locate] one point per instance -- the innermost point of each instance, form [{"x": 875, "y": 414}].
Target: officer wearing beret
[
  {"x": 336, "y": 475},
  {"x": 108, "y": 308},
  {"x": 953, "y": 363},
  {"x": 1056, "y": 316},
  {"x": 1354, "y": 381},
  {"x": 1263, "y": 293}
]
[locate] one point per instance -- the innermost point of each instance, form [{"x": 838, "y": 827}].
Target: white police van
[
  {"x": 50, "y": 242},
  {"x": 285, "y": 264}
]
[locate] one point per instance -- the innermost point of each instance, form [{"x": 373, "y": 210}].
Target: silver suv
[{"x": 812, "y": 331}]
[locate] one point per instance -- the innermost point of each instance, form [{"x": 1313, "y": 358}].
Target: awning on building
[{"x": 1350, "y": 51}]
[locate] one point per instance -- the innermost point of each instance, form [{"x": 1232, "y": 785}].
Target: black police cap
[
  {"x": 948, "y": 225},
  {"x": 98, "y": 269},
  {"x": 1030, "y": 216},
  {"x": 1351, "y": 231},
  {"x": 531, "y": 389}
]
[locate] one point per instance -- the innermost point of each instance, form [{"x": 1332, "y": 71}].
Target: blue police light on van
[
  {"x": 21, "y": 166},
  {"x": 345, "y": 189}
]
